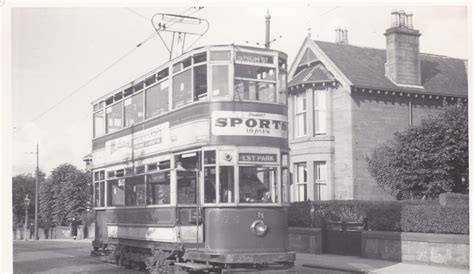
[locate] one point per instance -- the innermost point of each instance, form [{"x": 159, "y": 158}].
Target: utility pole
[{"x": 36, "y": 192}]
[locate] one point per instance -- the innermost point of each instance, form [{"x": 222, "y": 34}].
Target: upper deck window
[
  {"x": 252, "y": 90},
  {"x": 157, "y": 99},
  {"x": 222, "y": 55},
  {"x": 220, "y": 80},
  {"x": 99, "y": 127},
  {"x": 255, "y": 72},
  {"x": 200, "y": 57},
  {"x": 133, "y": 108},
  {"x": 114, "y": 117},
  {"x": 200, "y": 82},
  {"x": 182, "y": 89}
]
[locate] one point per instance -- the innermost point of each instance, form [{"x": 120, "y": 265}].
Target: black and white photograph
[{"x": 235, "y": 137}]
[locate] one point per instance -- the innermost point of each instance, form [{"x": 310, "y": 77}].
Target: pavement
[
  {"x": 328, "y": 263},
  {"x": 351, "y": 264}
]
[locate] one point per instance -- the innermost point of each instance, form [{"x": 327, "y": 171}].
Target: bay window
[
  {"x": 320, "y": 181},
  {"x": 301, "y": 181},
  {"x": 319, "y": 106},
  {"x": 300, "y": 115}
]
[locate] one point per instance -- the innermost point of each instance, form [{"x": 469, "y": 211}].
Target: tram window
[
  {"x": 114, "y": 117},
  {"x": 186, "y": 172},
  {"x": 158, "y": 188},
  {"x": 110, "y": 174},
  {"x": 282, "y": 86},
  {"x": 220, "y": 80},
  {"x": 200, "y": 57},
  {"x": 133, "y": 108},
  {"x": 210, "y": 190},
  {"x": 222, "y": 55},
  {"x": 182, "y": 89},
  {"x": 200, "y": 82},
  {"x": 157, "y": 99},
  {"x": 285, "y": 185},
  {"x": 152, "y": 167},
  {"x": 129, "y": 171},
  {"x": 102, "y": 193},
  {"x": 119, "y": 173},
  {"x": 210, "y": 157},
  {"x": 150, "y": 80},
  {"x": 226, "y": 184},
  {"x": 256, "y": 183},
  {"x": 109, "y": 100},
  {"x": 164, "y": 164},
  {"x": 116, "y": 192},
  {"x": 251, "y": 90},
  {"x": 118, "y": 96},
  {"x": 135, "y": 191},
  {"x": 96, "y": 194},
  {"x": 140, "y": 169},
  {"x": 99, "y": 129},
  {"x": 128, "y": 92},
  {"x": 255, "y": 72},
  {"x": 266, "y": 92},
  {"x": 186, "y": 62},
  {"x": 162, "y": 74}
]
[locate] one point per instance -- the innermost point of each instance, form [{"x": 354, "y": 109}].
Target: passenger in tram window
[{"x": 252, "y": 188}]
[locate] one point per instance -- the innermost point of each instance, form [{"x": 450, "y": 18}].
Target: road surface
[{"x": 56, "y": 256}]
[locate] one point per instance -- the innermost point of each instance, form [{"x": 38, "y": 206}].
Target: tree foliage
[
  {"x": 65, "y": 195},
  {"x": 22, "y": 185},
  {"x": 426, "y": 160}
]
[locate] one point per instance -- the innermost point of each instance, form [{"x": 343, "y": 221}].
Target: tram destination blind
[{"x": 255, "y": 157}]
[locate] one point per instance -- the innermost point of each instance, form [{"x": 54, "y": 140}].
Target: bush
[
  {"x": 402, "y": 216},
  {"x": 435, "y": 219}
]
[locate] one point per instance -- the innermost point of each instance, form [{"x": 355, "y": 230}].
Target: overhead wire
[{"x": 152, "y": 35}]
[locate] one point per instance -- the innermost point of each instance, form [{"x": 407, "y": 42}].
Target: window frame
[
  {"x": 319, "y": 108},
  {"x": 300, "y": 114},
  {"x": 299, "y": 182}
]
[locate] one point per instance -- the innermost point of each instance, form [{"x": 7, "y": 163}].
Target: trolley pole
[{"x": 36, "y": 192}]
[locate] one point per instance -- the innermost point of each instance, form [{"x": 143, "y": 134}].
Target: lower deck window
[
  {"x": 186, "y": 187},
  {"x": 158, "y": 188},
  {"x": 256, "y": 184},
  {"x": 135, "y": 191},
  {"x": 99, "y": 188},
  {"x": 226, "y": 184},
  {"x": 116, "y": 195}
]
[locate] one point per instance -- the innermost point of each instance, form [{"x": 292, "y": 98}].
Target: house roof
[
  {"x": 311, "y": 74},
  {"x": 365, "y": 67}
]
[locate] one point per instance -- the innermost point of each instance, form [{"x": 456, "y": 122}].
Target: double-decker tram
[{"x": 190, "y": 164}]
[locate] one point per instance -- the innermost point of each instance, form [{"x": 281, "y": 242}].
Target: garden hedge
[{"x": 401, "y": 216}]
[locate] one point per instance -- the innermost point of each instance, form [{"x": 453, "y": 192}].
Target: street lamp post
[{"x": 27, "y": 203}]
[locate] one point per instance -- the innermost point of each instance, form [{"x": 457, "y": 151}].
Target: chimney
[
  {"x": 403, "y": 50},
  {"x": 341, "y": 36}
]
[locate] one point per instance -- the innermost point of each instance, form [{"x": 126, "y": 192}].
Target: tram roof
[{"x": 144, "y": 76}]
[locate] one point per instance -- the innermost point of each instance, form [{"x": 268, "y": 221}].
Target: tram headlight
[{"x": 259, "y": 228}]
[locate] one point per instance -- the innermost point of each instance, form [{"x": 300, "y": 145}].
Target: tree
[
  {"x": 65, "y": 195},
  {"x": 22, "y": 185},
  {"x": 426, "y": 160}
]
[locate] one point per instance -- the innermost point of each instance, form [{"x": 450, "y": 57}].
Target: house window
[
  {"x": 320, "y": 181},
  {"x": 319, "y": 112},
  {"x": 300, "y": 115},
  {"x": 301, "y": 181}
]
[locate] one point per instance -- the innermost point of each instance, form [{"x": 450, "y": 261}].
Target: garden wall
[{"x": 427, "y": 248}]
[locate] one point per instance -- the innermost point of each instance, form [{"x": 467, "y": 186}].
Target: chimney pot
[
  {"x": 403, "y": 17},
  {"x": 410, "y": 20},
  {"x": 395, "y": 20}
]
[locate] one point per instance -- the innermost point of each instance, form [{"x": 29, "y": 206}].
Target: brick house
[{"x": 344, "y": 100}]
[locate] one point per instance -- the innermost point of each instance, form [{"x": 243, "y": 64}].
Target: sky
[{"x": 55, "y": 51}]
